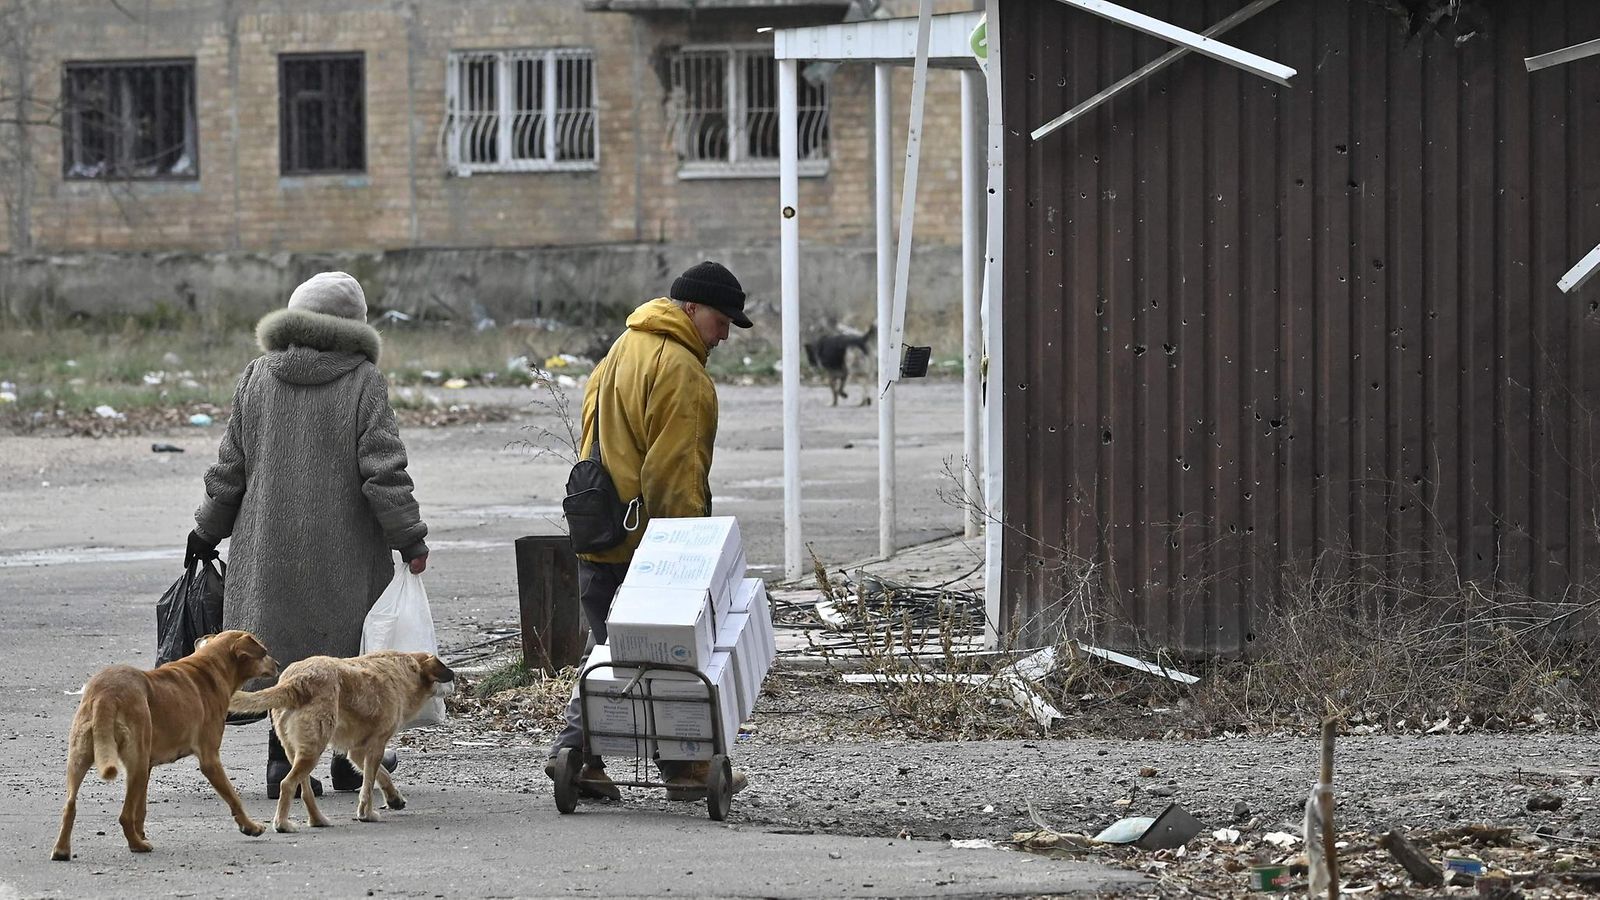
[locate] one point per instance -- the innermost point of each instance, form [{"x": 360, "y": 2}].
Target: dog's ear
[
  {"x": 434, "y": 671},
  {"x": 203, "y": 640}
]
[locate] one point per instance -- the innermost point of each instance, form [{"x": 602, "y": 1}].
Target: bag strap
[{"x": 636, "y": 505}]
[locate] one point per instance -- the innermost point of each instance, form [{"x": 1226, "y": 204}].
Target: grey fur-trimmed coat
[{"x": 311, "y": 485}]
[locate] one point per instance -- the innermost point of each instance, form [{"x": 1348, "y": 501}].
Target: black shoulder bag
[{"x": 597, "y": 519}]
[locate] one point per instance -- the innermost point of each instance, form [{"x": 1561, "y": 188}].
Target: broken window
[
  {"x": 129, "y": 120},
  {"x": 322, "y": 114},
  {"x": 724, "y": 111},
  {"x": 521, "y": 110}
]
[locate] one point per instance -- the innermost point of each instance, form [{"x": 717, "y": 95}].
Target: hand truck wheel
[
  {"x": 719, "y": 787},
  {"x": 568, "y": 761}
]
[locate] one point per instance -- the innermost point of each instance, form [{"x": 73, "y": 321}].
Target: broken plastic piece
[
  {"x": 1173, "y": 828},
  {"x": 914, "y": 361}
]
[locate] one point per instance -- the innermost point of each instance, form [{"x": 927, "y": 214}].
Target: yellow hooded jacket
[{"x": 658, "y": 419}]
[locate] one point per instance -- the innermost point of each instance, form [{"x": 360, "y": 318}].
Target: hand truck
[{"x": 718, "y": 790}]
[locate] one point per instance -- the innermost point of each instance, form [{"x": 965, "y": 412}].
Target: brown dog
[
  {"x": 146, "y": 719},
  {"x": 355, "y": 705}
]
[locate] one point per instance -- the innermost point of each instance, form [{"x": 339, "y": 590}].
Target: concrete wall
[{"x": 589, "y": 285}]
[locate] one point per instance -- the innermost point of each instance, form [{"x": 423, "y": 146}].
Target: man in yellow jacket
[{"x": 655, "y": 408}]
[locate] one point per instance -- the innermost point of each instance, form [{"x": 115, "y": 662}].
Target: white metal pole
[
  {"x": 883, "y": 159},
  {"x": 994, "y": 307},
  {"x": 789, "y": 238},
  {"x": 908, "y": 192},
  {"x": 972, "y": 209}
]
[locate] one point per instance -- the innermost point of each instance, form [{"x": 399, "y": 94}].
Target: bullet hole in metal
[
  {"x": 1105, "y": 436},
  {"x": 1342, "y": 148},
  {"x": 1138, "y": 350},
  {"x": 1169, "y": 348}
]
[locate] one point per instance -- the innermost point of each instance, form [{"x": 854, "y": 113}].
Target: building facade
[{"x": 519, "y": 158}]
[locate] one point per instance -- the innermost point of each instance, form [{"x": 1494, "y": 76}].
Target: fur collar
[{"x": 298, "y": 328}]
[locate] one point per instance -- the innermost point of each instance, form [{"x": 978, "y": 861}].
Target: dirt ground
[{"x": 80, "y": 514}]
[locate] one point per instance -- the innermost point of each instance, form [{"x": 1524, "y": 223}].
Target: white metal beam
[
  {"x": 1149, "y": 69},
  {"x": 993, "y": 333},
  {"x": 1580, "y": 273},
  {"x": 972, "y": 206},
  {"x": 1199, "y": 43},
  {"x": 883, "y": 208},
  {"x": 881, "y": 41},
  {"x": 908, "y": 194},
  {"x": 1564, "y": 55},
  {"x": 789, "y": 287}
]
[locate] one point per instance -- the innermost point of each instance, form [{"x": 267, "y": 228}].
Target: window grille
[
  {"x": 129, "y": 120},
  {"x": 724, "y": 103},
  {"x": 322, "y": 114},
  {"x": 521, "y": 111}
]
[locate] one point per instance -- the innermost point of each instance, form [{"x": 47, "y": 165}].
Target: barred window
[
  {"x": 724, "y": 110},
  {"x": 322, "y": 126},
  {"x": 129, "y": 120},
  {"x": 521, "y": 110}
]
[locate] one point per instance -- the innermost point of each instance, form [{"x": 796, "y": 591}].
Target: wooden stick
[
  {"x": 1330, "y": 852},
  {"x": 1421, "y": 869}
]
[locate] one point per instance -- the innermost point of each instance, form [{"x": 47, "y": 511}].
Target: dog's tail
[
  {"x": 103, "y": 721},
  {"x": 279, "y": 696}
]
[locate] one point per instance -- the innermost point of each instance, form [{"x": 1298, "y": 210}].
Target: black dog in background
[{"x": 831, "y": 354}]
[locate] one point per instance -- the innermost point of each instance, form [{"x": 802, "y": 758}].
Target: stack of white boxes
[{"x": 685, "y": 601}]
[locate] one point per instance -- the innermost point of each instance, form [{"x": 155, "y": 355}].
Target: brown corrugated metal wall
[{"x": 1250, "y": 327}]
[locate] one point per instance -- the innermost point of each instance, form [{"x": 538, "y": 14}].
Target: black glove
[{"x": 198, "y": 549}]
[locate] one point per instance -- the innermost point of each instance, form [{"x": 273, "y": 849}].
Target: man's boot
[
  {"x": 278, "y": 766},
  {"x": 346, "y": 777},
  {"x": 594, "y": 783}
]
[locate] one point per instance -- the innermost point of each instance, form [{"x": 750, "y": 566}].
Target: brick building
[{"x": 523, "y": 157}]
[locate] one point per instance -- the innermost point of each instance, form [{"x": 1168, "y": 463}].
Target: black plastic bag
[{"x": 190, "y": 609}]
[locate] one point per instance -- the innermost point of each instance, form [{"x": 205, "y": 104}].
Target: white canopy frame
[{"x": 940, "y": 41}]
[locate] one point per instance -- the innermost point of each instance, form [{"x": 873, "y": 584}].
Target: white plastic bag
[{"x": 401, "y": 620}]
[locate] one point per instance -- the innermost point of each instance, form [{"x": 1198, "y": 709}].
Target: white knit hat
[{"x": 333, "y": 294}]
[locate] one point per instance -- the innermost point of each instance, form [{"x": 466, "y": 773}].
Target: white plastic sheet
[{"x": 402, "y": 620}]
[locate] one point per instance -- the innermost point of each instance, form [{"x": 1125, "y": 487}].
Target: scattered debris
[
  {"x": 165, "y": 448},
  {"x": 1132, "y": 663},
  {"x": 106, "y": 412},
  {"x": 200, "y": 420}
]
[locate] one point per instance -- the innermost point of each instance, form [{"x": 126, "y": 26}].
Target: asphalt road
[{"x": 91, "y": 533}]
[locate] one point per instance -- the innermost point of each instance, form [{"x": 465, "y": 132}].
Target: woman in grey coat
[{"x": 310, "y": 484}]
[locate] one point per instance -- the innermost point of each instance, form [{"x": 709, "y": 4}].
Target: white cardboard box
[
  {"x": 752, "y": 599},
  {"x": 691, "y": 722},
  {"x": 609, "y": 710},
  {"x": 738, "y": 638},
  {"x": 693, "y": 552},
  {"x": 660, "y": 625}
]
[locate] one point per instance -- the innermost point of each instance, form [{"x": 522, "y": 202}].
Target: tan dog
[
  {"x": 145, "y": 719},
  {"x": 355, "y": 705}
]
